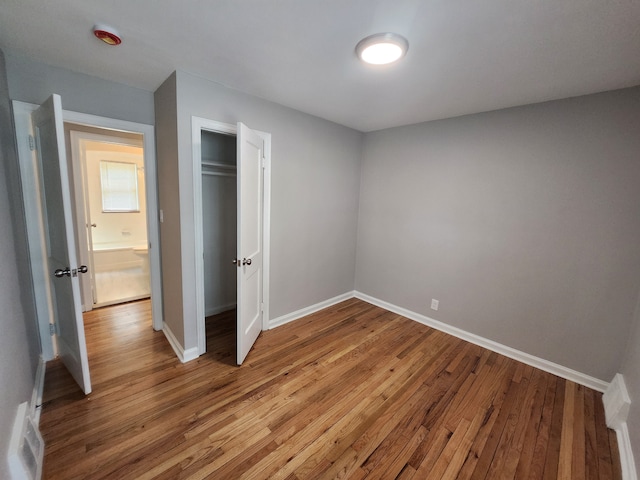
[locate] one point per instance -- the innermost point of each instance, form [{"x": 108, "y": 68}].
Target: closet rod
[
  {"x": 219, "y": 165},
  {"x": 219, "y": 174}
]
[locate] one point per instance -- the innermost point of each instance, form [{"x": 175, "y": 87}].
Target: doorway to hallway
[{"x": 111, "y": 214}]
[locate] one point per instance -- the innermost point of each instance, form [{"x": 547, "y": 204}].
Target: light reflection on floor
[{"x": 118, "y": 286}]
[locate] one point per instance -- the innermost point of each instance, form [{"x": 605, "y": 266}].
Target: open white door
[
  {"x": 59, "y": 239},
  {"x": 250, "y": 154}
]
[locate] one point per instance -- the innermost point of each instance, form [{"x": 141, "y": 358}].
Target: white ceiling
[{"x": 465, "y": 56}]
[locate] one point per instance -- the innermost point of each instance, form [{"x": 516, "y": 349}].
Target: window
[{"x": 119, "y": 183}]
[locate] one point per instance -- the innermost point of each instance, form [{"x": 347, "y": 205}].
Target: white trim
[
  {"x": 29, "y": 178},
  {"x": 182, "y": 354},
  {"x": 616, "y": 402},
  {"x": 38, "y": 388},
  {"x": 266, "y": 227},
  {"x": 627, "y": 464},
  {"x": 537, "y": 362},
  {"x": 219, "y": 309},
  {"x": 303, "y": 312}
]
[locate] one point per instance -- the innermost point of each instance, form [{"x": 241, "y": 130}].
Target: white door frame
[
  {"x": 198, "y": 124},
  {"x": 151, "y": 186},
  {"x": 31, "y": 198}
]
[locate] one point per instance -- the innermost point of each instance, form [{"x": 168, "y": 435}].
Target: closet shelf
[{"x": 223, "y": 166}]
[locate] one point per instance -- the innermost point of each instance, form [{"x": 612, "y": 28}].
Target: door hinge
[
  {"x": 52, "y": 329},
  {"x": 32, "y": 143}
]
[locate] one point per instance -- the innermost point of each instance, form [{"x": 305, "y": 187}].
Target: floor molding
[
  {"x": 303, "y": 312},
  {"x": 617, "y": 403},
  {"x": 627, "y": 463},
  {"x": 537, "y": 362},
  {"x": 183, "y": 355}
]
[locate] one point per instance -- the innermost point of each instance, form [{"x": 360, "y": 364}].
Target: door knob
[
  {"x": 83, "y": 269},
  {"x": 59, "y": 273},
  {"x": 246, "y": 261},
  {"x": 94, "y": 225}
]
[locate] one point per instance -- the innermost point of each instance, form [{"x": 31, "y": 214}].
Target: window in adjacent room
[{"x": 119, "y": 181}]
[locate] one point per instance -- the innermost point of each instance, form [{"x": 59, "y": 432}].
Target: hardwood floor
[{"x": 352, "y": 391}]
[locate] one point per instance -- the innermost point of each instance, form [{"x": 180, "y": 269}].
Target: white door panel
[
  {"x": 250, "y": 224},
  {"x": 59, "y": 239}
]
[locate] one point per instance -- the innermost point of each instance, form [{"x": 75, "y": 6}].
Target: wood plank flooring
[{"x": 351, "y": 392}]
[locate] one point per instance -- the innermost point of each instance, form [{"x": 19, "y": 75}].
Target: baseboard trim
[
  {"x": 627, "y": 464},
  {"x": 537, "y": 362},
  {"x": 38, "y": 388},
  {"x": 219, "y": 309},
  {"x": 303, "y": 312},
  {"x": 183, "y": 355},
  {"x": 617, "y": 403}
]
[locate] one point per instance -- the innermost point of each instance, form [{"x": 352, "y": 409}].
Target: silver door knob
[
  {"x": 83, "y": 269},
  {"x": 59, "y": 273},
  {"x": 246, "y": 261}
]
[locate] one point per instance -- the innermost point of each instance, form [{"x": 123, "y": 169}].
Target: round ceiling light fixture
[
  {"x": 107, "y": 34},
  {"x": 382, "y": 48}
]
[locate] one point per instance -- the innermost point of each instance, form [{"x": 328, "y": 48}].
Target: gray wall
[
  {"x": 524, "y": 223},
  {"x": 169, "y": 203},
  {"x": 631, "y": 372},
  {"x": 19, "y": 342},
  {"x": 314, "y": 200},
  {"x": 34, "y": 82}
]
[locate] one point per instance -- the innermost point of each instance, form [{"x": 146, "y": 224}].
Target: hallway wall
[{"x": 19, "y": 341}]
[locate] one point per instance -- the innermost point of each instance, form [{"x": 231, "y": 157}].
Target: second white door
[{"x": 250, "y": 158}]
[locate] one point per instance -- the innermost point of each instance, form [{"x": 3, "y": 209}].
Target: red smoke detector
[{"x": 107, "y": 34}]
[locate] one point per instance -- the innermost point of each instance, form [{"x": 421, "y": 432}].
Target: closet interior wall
[{"x": 219, "y": 221}]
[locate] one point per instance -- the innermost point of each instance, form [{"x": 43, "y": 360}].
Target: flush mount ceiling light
[
  {"x": 382, "y": 48},
  {"x": 107, "y": 34}
]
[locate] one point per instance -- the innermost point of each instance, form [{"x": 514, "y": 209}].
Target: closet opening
[{"x": 219, "y": 236}]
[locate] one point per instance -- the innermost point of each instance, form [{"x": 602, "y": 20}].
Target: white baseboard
[
  {"x": 617, "y": 403},
  {"x": 627, "y": 464},
  {"x": 183, "y": 355},
  {"x": 303, "y": 312},
  {"x": 38, "y": 387},
  {"x": 542, "y": 364},
  {"x": 219, "y": 309}
]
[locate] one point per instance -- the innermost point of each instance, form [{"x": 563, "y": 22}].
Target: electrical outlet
[{"x": 434, "y": 304}]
